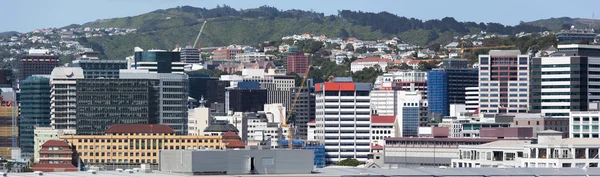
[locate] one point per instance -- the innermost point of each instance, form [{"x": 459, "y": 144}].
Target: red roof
[
  {"x": 230, "y": 134},
  {"x": 383, "y": 119},
  {"x": 372, "y": 59},
  {"x": 236, "y": 144},
  {"x": 313, "y": 122},
  {"x": 139, "y": 128},
  {"x": 55, "y": 143},
  {"x": 54, "y": 167},
  {"x": 377, "y": 147}
]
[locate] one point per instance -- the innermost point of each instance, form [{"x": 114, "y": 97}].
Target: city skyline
[{"x": 32, "y": 14}]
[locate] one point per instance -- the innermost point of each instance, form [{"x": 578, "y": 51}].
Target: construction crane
[
  {"x": 463, "y": 48},
  {"x": 199, "y": 33},
  {"x": 284, "y": 123}
]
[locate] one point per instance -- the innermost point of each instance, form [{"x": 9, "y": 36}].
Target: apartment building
[{"x": 584, "y": 124}]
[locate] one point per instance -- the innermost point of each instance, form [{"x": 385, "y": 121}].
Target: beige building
[
  {"x": 134, "y": 144},
  {"x": 43, "y": 134}
]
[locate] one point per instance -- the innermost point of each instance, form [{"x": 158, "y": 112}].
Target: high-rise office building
[
  {"x": 157, "y": 61},
  {"x": 566, "y": 81},
  {"x": 6, "y": 78},
  {"x": 447, "y": 86},
  {"x": 37, "y": 63},
  {"x": 102, "y": 103},
  {"x": 245, "y": 99},
  {"x": 63, "y": 94},
  {"x": 343, "y": 119},
  {"x": 504, "y": 82},
  {"x": 297, "y": 63},
  {"x": 93, "y": 67},
  {"x": 35, "y": 110},
  {"x": 409, "y": 108},
  {"x": 210, "y": 88},
  {"x": 9, "y": 111},
  {"x": 190, "y": 55},
  {"x": 173, "y": 97},
  {"x": 304, "y": 110}
]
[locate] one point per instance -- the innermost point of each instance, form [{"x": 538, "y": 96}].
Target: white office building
[
  {"x": 504, "y": 82},
  {"x": 343, "y": 119},
  {"x": 471, "y": 99},
  {"x": 408, "y": 80},
  {"x": 567, "y": 80},
  {"x": 501, "y": 153},
  {"x": 584, "y": 124},
  {"x": 382, "y": 127},
  {"x": 383, "y": 102},
  {"x": 408, "y": 108},
  {"x": 198, "y": 120},
  {"x": 63, "y": 82}
]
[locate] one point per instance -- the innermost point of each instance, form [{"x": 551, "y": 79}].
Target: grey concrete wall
[
  {"x": 179, "y": 161},
  {"x": 236, "y": 162}
]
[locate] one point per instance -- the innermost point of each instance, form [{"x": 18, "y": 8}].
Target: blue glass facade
[
  {"x": 445, "y": 87},
  {"x": 410, "y": 121},
  {"x": 35, "y": 110}
]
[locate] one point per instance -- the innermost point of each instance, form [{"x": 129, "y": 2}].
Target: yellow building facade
[
  {"x": 135, "y": 145},
  {"x": 7, "y": 111}
]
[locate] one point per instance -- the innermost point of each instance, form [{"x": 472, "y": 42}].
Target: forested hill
[{"x": 165, "y": 28}]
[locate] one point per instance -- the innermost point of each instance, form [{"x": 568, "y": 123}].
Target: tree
[
  {"x": 297, "y": 78},
  {"x": 361, "y": 50},
  {"x": 349, "y": 47},
  {"x": 425, "y": 66},
  {"x": 343, "y": 33},
  {"x": 405, "y": 66},
  {"x": 348, "y": 162}
]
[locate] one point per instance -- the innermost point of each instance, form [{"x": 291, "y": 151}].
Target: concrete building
[
  {"x": 173, "y": 97},
  {"x": 567, "y": 80},
  {"x": 134, "y": 144},
  {"x": 407, "y": 80},
  {"x": 225, "y": 53},
  {"x": 36, "y": 64},
  {"x": 562, "y": 153},
  {"x": 156, "y": 61},
  {"x": 93, "y": 67},
  {"x": 198, "y": 120},
  {"x": 104, "y": 102},
  {"x": 377, "y": 63},
  {"x": 297, "y": 63},
  {"x": 382, "y": 127},
  {"x": 343, "y": 119},
  {"x": 63, "y": 95},
  {"x": 408, "y": 113},
  {"x": 253, "y": 56},
  {"x": 541, "y": 123},
  {"x": 501, "y": 153},
  {"x": 383, "y": 102},
  {"x": 584, "y": 124},
  {"x": 190, "y": 55},
  {"x": 43, "y": 134},
  {"x": 56, "y": 156},
  {"x": 504, "y": 82},
  {"x": 263, "y": 128},
  {"x": 423, "y": 152},
  {"x": 35, "y": 110},
  {"x": 304, "y": 109},
  {"x": 237, "y": 162},
  {"x": 471, "y": 99}
]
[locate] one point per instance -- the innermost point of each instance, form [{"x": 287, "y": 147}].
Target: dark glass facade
[
  {"x": 246, "y": 100},
  {"x": 212, "y": 89},
  {"x": 164, "y": 60},
  {"x": 37, "y": 65},
  {"x": 445, "y": 87},
  {"x": 35, "y": 110},
  {"x": 100, "y": 68},
  {"x": 6, "y": 78},
  {"x": 104, "y": 102}
]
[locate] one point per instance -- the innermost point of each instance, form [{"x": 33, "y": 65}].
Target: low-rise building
[
  {"x": 584, "y": 124},
  {"x": 237, "y": 162},
  {"x": 501, "y": 153},
  {"x": 382, "y": 127},
  {"x": 135, "y": 144},
  {"x": 364, "y": 63},
  {"x": 562, "y": 153},
  {"x": 418, "y": 152},
  {"x": 56, "y": 156},
  {"x": 43, "y": 134}
]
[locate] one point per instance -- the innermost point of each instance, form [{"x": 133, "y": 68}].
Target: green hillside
[
  {"x": 163, "y": 29},
  {"x": 557, "y": 24}
]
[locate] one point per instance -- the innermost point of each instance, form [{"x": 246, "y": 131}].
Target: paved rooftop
[{"x": 336, "y": 171}]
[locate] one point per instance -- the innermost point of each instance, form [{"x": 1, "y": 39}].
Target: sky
[{"x": 27, "y": 15}]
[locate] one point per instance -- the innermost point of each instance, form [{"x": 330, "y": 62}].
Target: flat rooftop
[{"x": 351, "y": 171}]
